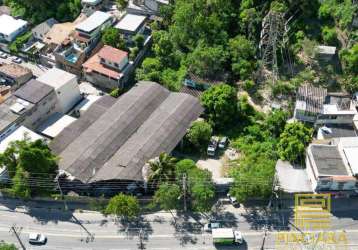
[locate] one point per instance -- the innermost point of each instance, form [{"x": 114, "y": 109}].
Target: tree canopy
[
  {"x": 293, "y": 141},
  {"x": 26, "y": 160},
  {"x": 112, "y": 37},
  {"x": 124, "y": 206},
  {"x": 199, "y": 134},
  {"x": 220, "y": 103}
]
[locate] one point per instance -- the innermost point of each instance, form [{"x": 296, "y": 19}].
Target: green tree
[
  {"x": 122, "y": 4},
  {"x": 150, "y": 70},
  {"x": 123, "y": 206},
  {"x": 276, "y": 121},
  {"x": 24, "y": 160},
  {"x": 112, "y": 37},
  {"x": 329, "y": 36},
  {"x": 116, "y": 92},
  {"x": 293, "y": 141},
  {"x": 139, "y": 41},
  {"x": 207, "y": 62},
  {"x": 242, "y": 54},
  {"x": 4, "y": 246},
  {"x": 167, "y": 196},
  {"x": 183, "y": 167},
  {"x": 201, "y": 188},
  {"x": 350, "y": 59},
  {"x": 199, "y": 134},
  {"x": 220, "y": 105},
  {"x": 21, "y": 185},
  {"x": 162, "y": 169}
]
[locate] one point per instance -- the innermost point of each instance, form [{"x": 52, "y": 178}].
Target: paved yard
[{"x": 213, "y": 165}]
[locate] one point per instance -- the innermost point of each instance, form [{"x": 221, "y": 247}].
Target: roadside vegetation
[
  {"x": 31, "y": 168},
  {"x": 4, "y": 246}
]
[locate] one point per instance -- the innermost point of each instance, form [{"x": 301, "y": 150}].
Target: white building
[
  {"x": 333, "y": 166},
  {"x": 10, "y": 27},
  {"x": 131, "y": 24},
  {"x": 66, "y": 88}
]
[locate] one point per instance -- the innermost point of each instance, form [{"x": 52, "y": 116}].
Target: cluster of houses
[
  {"x": 76, "y": 47},
  {"x": 99, "y": 139},
  {"x": 332, "y": 157}
]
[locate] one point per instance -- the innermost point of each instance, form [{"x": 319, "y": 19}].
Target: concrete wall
[
  {"x": 68, "y": 95},
  {"x": 41, "y": 111}
]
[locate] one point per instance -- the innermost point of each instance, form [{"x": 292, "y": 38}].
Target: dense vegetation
[
  {"x": 31, "y": 167},
  {"x": 4, "y": 246},
  {"x": 37, "y": 11},
  {"x": 170, "y": 177}
]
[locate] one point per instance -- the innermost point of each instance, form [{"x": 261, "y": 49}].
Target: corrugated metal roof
[
  {"x": 143, "y": 122},
  {"x": 313, "y": 97},
  {"x": 93, "y": 21}
]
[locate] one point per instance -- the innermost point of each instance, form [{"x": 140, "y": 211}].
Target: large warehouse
[{"x": 115, "y": 138}]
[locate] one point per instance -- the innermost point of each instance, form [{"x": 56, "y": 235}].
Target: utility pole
[
  {"x": 141, "y": 236},
  {"x": 268, "y": 207},
  {"x": 62, "y": 195},
  {"x": 14, "y": 230},
  {"x": 184, "y": 191}
]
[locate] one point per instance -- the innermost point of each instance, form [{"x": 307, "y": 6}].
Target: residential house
[
  {"x": 40, "y": 30},
  {"x": 10, "y": 28},
  {"x": 130, "y": 25},
  {"x": 315, "y": 105},
  {"x": 16, "y": 75},
  {"x": 87, "y": 34},
  {"x": 59, "y": 35},
  {"x": 333, "y": 166},
  {"x": 41, "y": 96},
  {"x": 108, "y": 69},
  {"x": 90, "y": 6},
  {"x": 145, "y": 7},
  {"x": 325, "y": 53},
  {"x": 115, "y": 147},
  {"x": 30, "y": 105},
  {"x": 66, "y": 88}
]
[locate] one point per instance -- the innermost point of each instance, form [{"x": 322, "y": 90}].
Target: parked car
[
  {"x": 16, "y": 60},
  {"x": 3, "y": 55},
  {"x": 223, "y": 142},
  {"x": 37, "y": 238},
  {"x": 213, "y": 144},
  {"x": 2, "y": 80},
  {"x": 233, "y": 200},
  {"x": 208, "y": 227}
]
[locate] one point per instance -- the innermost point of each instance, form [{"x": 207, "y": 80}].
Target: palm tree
[{"x": 162, "y": 169}]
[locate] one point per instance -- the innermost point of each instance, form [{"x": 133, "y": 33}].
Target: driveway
[{"x": 213, "y": 165}]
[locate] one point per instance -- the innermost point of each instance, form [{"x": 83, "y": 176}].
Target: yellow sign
[{"x": 312, "y": 218}]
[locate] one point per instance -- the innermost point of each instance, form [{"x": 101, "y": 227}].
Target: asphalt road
[{"x": 90, "y": 230}]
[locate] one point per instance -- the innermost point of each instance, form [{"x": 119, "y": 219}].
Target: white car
[
  {"x": 208, "y": 227},
  {"x": 16, "y": 60},
  {"x": 37, "y": 238},
  {"x": 238, "y": 237},
  {"x": 3, "y": 55}
]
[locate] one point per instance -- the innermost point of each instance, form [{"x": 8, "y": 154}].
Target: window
[
  {"x": 103, "y": 61},
  {"x": 116, "y": 64},
  {"x": 340, "y": 185}
]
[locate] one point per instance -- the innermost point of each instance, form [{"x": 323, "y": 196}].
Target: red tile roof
[
  {"x": 94, "y": 64},
  {"x": 112, "y": 54}
]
